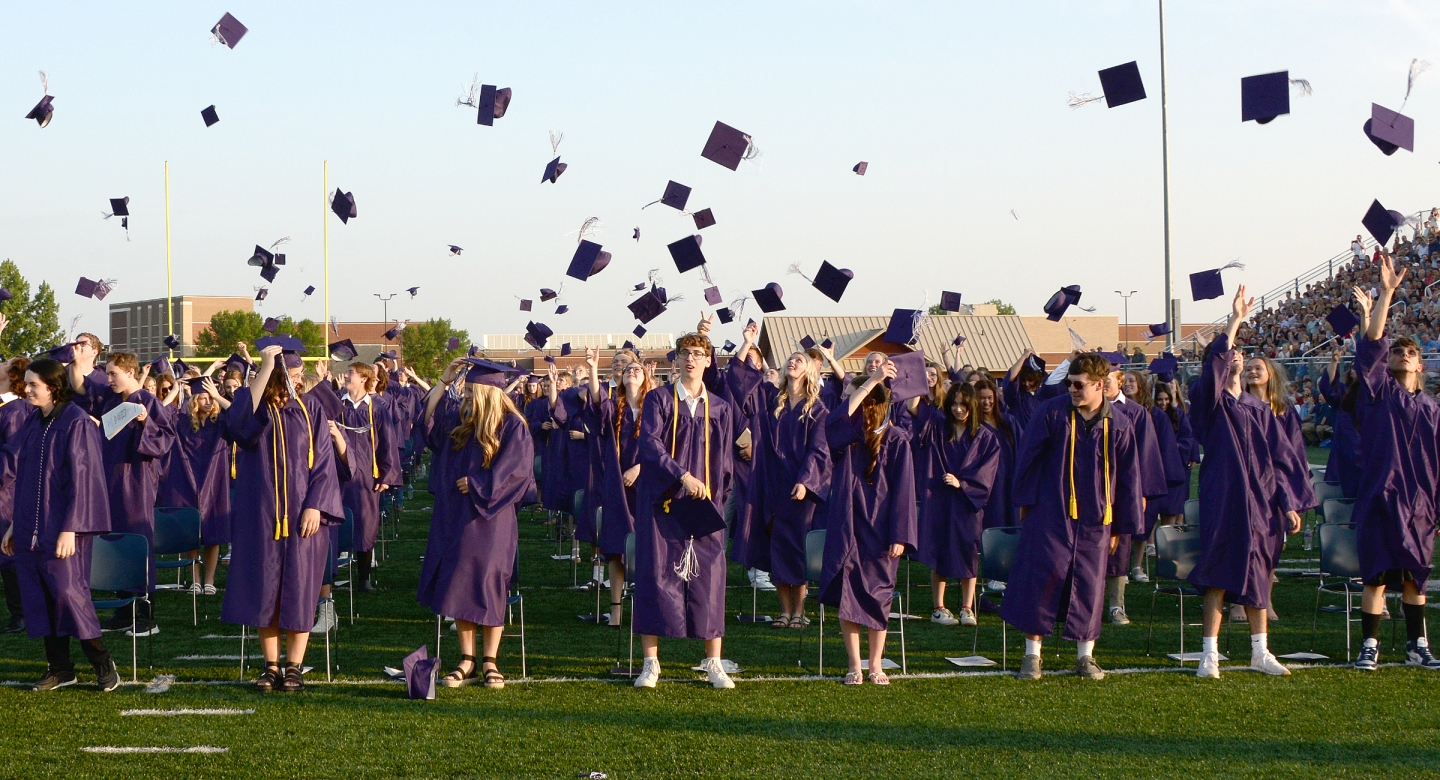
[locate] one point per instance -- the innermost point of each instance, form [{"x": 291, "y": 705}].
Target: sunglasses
[{"x": 1079, "y": 384}]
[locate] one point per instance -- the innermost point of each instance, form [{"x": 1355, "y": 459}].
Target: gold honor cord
[
  {"x": 280, "y": 474},
  {"x": 374, "y": 456},
  {"x": 674, "y": 429},
  {"x": 1105, "y": 456}
]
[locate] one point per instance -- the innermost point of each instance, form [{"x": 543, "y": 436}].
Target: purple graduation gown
[
  {"x": 1061, "y": 557},
  {"x": 666, "y": 604},
  {"x": 1345, "y": 460},
  {"x": 1177, "y": 440},
  {"x": 278, "y": 580},
  {"x": 951, "y": 519},
  {"x": 789, "y": 450},
  {"x": 1155, "y": 477},
  {"x": 617, "y": 516},
  {"x": 537, "y": 413},
  {"x": 1395, "y": 506},
  {"x": 572, "y": 457},
  {"x": 470, "y": 555},
  {"x": 1240, "y": 488},
  {"x": 744, "y": 386},
  {"x": 371, "y": 458},
  {"x": 57, "y": 477},
  {"x": 1000, "y": 505},
  {"x": 202, "y": 479},
  {"x": 13, "y": 414},
  {"x": 1020, "y": 403},
  {"x": 868, "y": 511}
]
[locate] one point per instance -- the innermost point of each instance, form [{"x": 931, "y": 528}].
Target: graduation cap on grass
[
  {"x": 1206, "y": 285},
  {"x": 420, "y": 670},
  {"x": 1119, "y": 85}
]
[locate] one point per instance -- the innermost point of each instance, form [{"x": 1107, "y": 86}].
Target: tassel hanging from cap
[
  {"x": 1083, "y": 99},
  {"x": 1236, "y": 264},
  {"x": 689, "y": 566}
]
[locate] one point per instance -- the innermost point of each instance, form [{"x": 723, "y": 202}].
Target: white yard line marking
[
  {"x": 184, "y": 711},
  {"x": 216, "y": 657},
  {"x": 110, "y": 750}
]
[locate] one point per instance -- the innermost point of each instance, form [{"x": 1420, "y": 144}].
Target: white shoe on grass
[
  {"x": 715, "y": 672},
  {"x": 1269, "y": 664},
  {"x": 649, "y": 675},
  {"x": 943, "y": 617},
  {"x": 1209, "y": 666}
]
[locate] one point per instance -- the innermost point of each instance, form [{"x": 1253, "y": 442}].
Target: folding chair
[
  {"x": 517, "y": 599},
  {"x": 1177, "y": 550},
  {"x": 597, "y": 560},
  {"x": 1192, "y": 512},
  {"x": 1340, "y": 561},
  {"x": 578, "y": 501},
  {"x": 997, "y": 557},
  {"x": 814, "y": 562},
  {"x": 629, "y": 582},
  {"x": 121, "y": 562},
  {"x": 346, "y": 548},
  {"x": 1337, "y": 510},
  {"x": 177, "y": 532}
]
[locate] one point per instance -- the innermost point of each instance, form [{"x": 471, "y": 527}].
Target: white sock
[
  {"x": 1372, "y": 642},
  {"x": 1210, "y": 644},
  {"x": 1032, "y": 647},
  {"x": 1083, "y": 649},
  {"x": 649, "y": 660},
  {"x": 1422, "y": 642},
  {"x": 1258, "y": 644}
]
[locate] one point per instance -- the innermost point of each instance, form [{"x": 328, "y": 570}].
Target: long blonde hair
[
  {"x": 1277, "y": 389},
  {"x": 482, "y": 409},
  {"x": 199, "y": 418},
  {"x": 811, "y": 383}
]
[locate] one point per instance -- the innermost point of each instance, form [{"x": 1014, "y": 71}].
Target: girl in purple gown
[
  {"x": 1022, "y": 384},
  {"x": 483, "y": 469},
  {"x": 1343, "y": 465},
  {"x": 615, "y": 415},
  {"x": 53, "y": 468},
  {"x": 966, "y": 456},
  {"x": 371, "y": 463},
  {"x": 999, "y": 508},
  {"x": 1169, "y": 411},
  {"x": 872, "y": 518},
  {"x": 14, "y": 409},
  {"x": 204, "y": 474},
  {"x": 286, "y": 487}
]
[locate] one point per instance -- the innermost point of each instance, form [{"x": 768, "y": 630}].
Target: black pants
[
  {"x": 363, "y": 562},
  {"x": 12, "y": 592},
  {"x": 57, "y": 653}
]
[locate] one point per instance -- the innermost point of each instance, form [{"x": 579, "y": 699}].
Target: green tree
[
  {"x": 34, "y": 321},
  {"x": 1001, "y": 307},
  {"x": 936, "y": 310},
  {"x": 230, "y": 327},
  {"x": 427, "y": 347}
]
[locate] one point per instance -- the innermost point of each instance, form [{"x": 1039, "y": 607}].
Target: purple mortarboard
[
  {"x": 1121, "y": 84},
  {"x": 65, "y": 353},
  {"x": 728, "y": 347},
  {"x": 712, "y": 296},
  {"x": 959, "y": 341},
  {"x": 525, "y": 304},
  {"x": 1206, "y": 285},
  {"x": 43, "y": 111},
  {"x": 725, "y": 146},
  {"x": 181, "y": 367},
  {"x": 343, "y": 350},
  {"x": 485, "y": 107},
  {"x": 309, "y": 291},
  {"x": 393, "y": 333},
  {"x": 637, "y": 234},
  {"x": 261, "y": 258},
  {"x": 160, "y": 365},
  {"x": 726, "y": 316},
  {"x": 1117, "y": 359},
  {"x": 85, "y": 288},
  {"x": 639, "y": 331},
  {"x": 553, "y": 169},
  {"x": 413, "y": 291},
  {"x": 831, "y": 281},
  {"x": 455, "y": 250},
  {"x": 343, "y": 204},
  {"x": 1390, "y": 130},
  {"x": 287, "y": 343},
  {"x": 546, "y": 293},
  {"x": 703, "y": 219},
  {"x": 950, "y": 301},
  {"x": 236, "y": 360},
  {"x": 910, "y": 380},
  {"x": 561, "y": 309},
  {"x": 536, "y": 334},
  {"x": 647, "y": 307},
  {"x": 1164, "y": 365},
  {"x": 1379, "y": 222},
  {"x": 1264, "y": 97},
  {"x": 860, "y": 167},
  {"x": 120, "y": 207},
  {"x": 502, "y": 101},
  {"x": 670, "y": 356},
  {"x": 228, "y": 30},
  {"x": 901, "y": 329},
  {"x": 1035, "y": 363},
  {"x": 485, "y": 372},
  {"x": 600, "y": 263},
  {"x": 1342, "y": 320},
  {"x": 474, "y": 350},
  {"x": 280, "y": 258},
  {"x": 827, "y": 343},
  {"x": 807, "y": 343},
  {"x": 628, "y": 344},
  {"x": 271, "y": 325},
  {"x": 585, "y": 263},
  {"x": 269, "y": 272},
  {"x": 550, "y": 359},
  {"x": 172, "y": 341},
  {"x": 564, "y": 349},
  {"x": 453, "y": 344},
  {"x": 1159, "y": 329},
  {"x": 686, "y": 253},
  {"x": 1062, "y": 300},
  {"x": 768, "y": 298},
  {"x": 209, "y": 115},
  {"x": 196, "y": 383},
  {"x": 391, "y": 355},
  {"x": 676, "y": 196}
]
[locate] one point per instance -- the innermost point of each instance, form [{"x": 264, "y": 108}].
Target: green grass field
[{"x": 571, "y": 717}]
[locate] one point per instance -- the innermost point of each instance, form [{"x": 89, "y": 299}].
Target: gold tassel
[
  {"x": 1074, "y": 505},
  {"x": 1106, "y": 456}
]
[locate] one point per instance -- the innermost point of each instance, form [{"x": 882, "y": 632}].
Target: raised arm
[
  {"x": 1019, "y": 364},
  {"x": 1389, "y": 280},
  {"x": 884, "y": 372},
  {"x": 268, "y": 356},
  {"x": 592, "y": 361},
  {"x": 432, "y": 399}
]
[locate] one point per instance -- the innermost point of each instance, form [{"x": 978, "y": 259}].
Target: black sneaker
[
  {"x": 54, "y": 679},
  {"x": 143, "y": 627},
  {"x": 1417, "y": 654},
  {"x": 107, "y": 677},
  {"x": 15, "y": 626},
  {"x": 1369, "y": 659}
]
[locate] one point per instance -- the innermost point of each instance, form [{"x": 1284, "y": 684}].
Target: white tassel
[
  {"x": 104, "y": 287},
  {"x": 468, "y": 99},
  {"x": 1305, "y": 89},
  {"x": 795, "y": 269},
  {"x": 1236, "y": 264},
  {"x": 281, "y": 242},
  {"x": 1083, "y": 99},
  {"x": 555, "y": 139},
  {"x": 1090, "y": 309},
  {"x": 1417, "y": 66},
  {"x": 689, "y": 566},
  {"x": 44, "y": 83}
]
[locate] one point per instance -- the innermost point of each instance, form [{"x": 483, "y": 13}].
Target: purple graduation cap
[
  {"x": 1379, "y": 222},
  {"x": 261, "y": 258},
  {"x": 120, "y": 207},
  {"x": 553, "y": 169},
  {"x": 525, "y": 304},
  {"x": 86, "y": 288},
  {"x": 43, "y": 111},
  {"x": 262, "y": 293},
  {"x": 547, "y": 294},
  {"x": 726, "y": 146},
  {"x": 950, "y": 301},
  {"x": 637, "y": 234},
  {"x": 670, "y": 356},
  {"x": 1264, "y": 97},
  {"x": 831, "y": 281},
  {"x": 1060, "y": 301},
  {"x": 172, "y": 341},
  {"x": 1342, "y": 320},
  {"x": 561, "y": 309},
  {"x": 420, "y": 674},
  {"x": 1206, "y": 285},
  {"x": 455, "y": 250},
  {"x": 390, "y": 355},
  {"x": 861, "y": 167},
  {"x": 182, "y": 368},
  {"x": 1159, "y": 329},
  {"x": 726, "y": 315},
  {"x": 959, "y": 341},
  {"x": 286, "y": 342},
  {"x": 269, "y": 272},
  {"x": 676, "y": 196},
  {"x": 1117, "y": 359},
  {"x": 648, "y": 306},
  {"x": 728, "y": 347},
  {"x": 1035, "y": 363},
  {"x": 413, "y": 291},
  {"x": 910, "y": 380},
  {"x": 228, "y": 30},
  {"x": 550, "y": 359},
  {"x": 686, "y": 253},
  {"x": 536, "y": 334},
  {"x": 703, "y": 219},
  {"x": 1390, "y": 130},
  {"x": 160, "y": 365},
  {"x": 807, "y": 343},
  {"x": 564, "y": 349},
  {"x": 453, "y": 343},
  {"x": 1164, "y": 367},
  {"x": 208, "y": 114},
  {"x": 639, "y": 331},
  {"x": 65, "y": 353},
  {"x": 1121, "y": 84},
  {"x": 271, "y": 325},
  {"x": 712, "y": 296},
  {"x": 393, "y": 333},
  {"x": 309, "y": 291},
  {"x": 827, "y": 343},
  {"x": 343, "y": 350},
  {"x": 628, "y": 344},
  {"x": 639, "y": 287},
  {"x": 901, "y": 329},
  {"x": 343, "y": 204},
  {"x": 236, "y": 360},
  {"x": 486, "y": 109},
  {"x": 768, "y": 298},
  {"x": 586, "y": 261}
]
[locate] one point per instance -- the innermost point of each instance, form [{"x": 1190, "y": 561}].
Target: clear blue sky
[{"x": 959, "y": 107}]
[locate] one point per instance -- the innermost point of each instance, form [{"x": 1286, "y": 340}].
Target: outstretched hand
[
  {"x": 1241, "y": 307},
  {"x": 1389, "y": 278}
]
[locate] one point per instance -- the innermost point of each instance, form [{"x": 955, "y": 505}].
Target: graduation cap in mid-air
[
  {"x": 343, "y": 204},
  {"x": 160, "y": 365},
  {"x": 97, "y": 289},
  {"x": 1264, "y": 97},
  {"x": 547, "y": 294},
  {"x": 394, "y": 333},
  {"x": 1390, "y": 130},
  {"x": 413, "y": 291},
  {"x": 703, "y": 218},
  {"x": 119, "y": 207},
  {"x": 261, "y": 293},
  {"x": 1157, "y": 330},
  {"x": 453, "y": 343},
  {"x": 1381, "y": 223},
  {"x": 727, "y": 146},
  {"x": 536, "y": 334},
  {"x": 676, "y": 196},
  {"x": 172, "y": 341},
  {"x": 525, "y": 304},
  {"x": 949, "y": 301},
  {"x": 648, "y": 306},
  {"x": 271, "y": 325},
  {"x": 686, "y": 253},
  {"x": 1163, "y": 367},
  {"x": 561, "y": 309},
  {"x": 1063, "y": 299},
  {"x": 309, "y": 291},
  {"x": 729, "y": 346},
  {"x": 565, "y": 349},
  {"x": 587, "y": 261},
  {"x": 726, "y": 315},
  {"x": 269, "y": 272},
  {"x": 455, "y": 250},
  {"x": 712, "y": 296},
  {"x": 491, "y": 104},
  {"x": 637, "y": 234},
  {"x": 43, "y": 111},
  {"x": 1205, "y": 285},
  {"x": 1119, "y": 85},
  {"x": 343, "y": 349},
  {"x": 208, "y": 114},
  {"x": 902, "y": 326},
  {"x": 228, "y": 31},
  {"x": 1342, "y": 320},
  {"x": 553, "y": 169},
  {"x": 861, "y": 167},
  {"x": 768, "y": 298},
  {"x": 832, "y": 281}
]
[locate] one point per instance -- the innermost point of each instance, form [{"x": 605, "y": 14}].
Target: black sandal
[
  {"x": 294, "y": 681},
  {"x": 458, "y": 677},
  {"x": 268, "y": 679},
  {"x": 493, "y": 677}
]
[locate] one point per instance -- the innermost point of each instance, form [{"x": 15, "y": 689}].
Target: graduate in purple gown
[
  {"x": 372, "y": 459},
  {"x": 1022, "y": 382},
  {"x": 833, "y": 381},
  {"x": 952, "y": 506},
  {"x": 92, "y": 386},
  {"x": 132, "y": 465},
  {"x": 745, "y": 389},
  {"x": 53, "y": 469},
  {"x": 555, "y": 493},
  {"x": 1243, "y": 501},
  {"x": 14, "y": 410},
  {"x": 1125, "y": 393},
  {"x": 687, "y": 439},
  {"x": 1078, "y": 486},
  {"x": 483, "y": 460},
  {"x": 1343, "y": 465},
  {"x": 1400, "y": 483},
  {"x": 791, "y": 473},
  {"x": 202, "y": 480},
  {"x": 1169, "y": 412},
  {"x": 1000, "y": 506},
  {"x": 614, "y": 413},
  {"x": 286, "y": 487},
  {"x": 537, "y": 413},
  {"x": 872, "y": 517}
]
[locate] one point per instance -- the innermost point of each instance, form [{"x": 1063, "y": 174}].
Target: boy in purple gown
[
  {"x": 1022, "y": 382},
  {"x": 687, "y": 436},
  {"x": 1155, "y": 477},
  {"x": 286, "y": 487},
  {"x": 1400, "y": 483},
  {"x": 1078, "y": 486},
  {"x": 1241, "y": 498},
  {"x": 133, "y": 462},
  {"x": 53, "y": 468},
  {"x": 371, "y": 463}
]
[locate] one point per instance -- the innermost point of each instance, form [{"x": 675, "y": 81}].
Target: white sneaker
[
  {"x": 1118, "y": 616},
  {"x": 715, "y": 671},
  {"x": 1268, "y": 664},
  {"x": 649, "y": 675},
  {"x": 762, "y": 581},
  {"x": 995, "y": 586},
  {"x": 324, "y": 617},
  {"x": 1209, "y": 665},
  {"x": 1137, "y": 574},
  {"x": 750, "y": 574},
  {"x": 943, "y": 617},
  {"x": 967, "y": 616}
]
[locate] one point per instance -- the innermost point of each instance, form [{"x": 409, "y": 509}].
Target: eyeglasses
[{"x": 695, "y": 353}]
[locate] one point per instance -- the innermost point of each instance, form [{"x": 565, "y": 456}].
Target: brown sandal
[
  {"x": 459, "y": 677},
  {"x": 493, "y": 677}
]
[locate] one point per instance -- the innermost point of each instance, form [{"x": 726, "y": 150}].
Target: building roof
[{"x": 995, "y": 342}]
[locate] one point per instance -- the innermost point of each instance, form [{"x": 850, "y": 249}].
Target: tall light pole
[
  {"x": 1165, "y": 184},
  {"x": 386, "y": 300},
  {"x": 1126, "y": 296}
]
